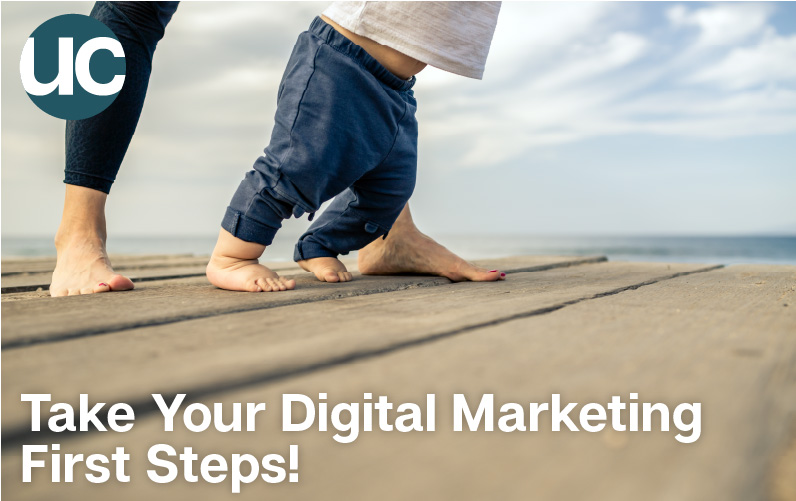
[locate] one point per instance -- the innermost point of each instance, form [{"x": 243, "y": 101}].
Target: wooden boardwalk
[{"x": 584, "y": 328}]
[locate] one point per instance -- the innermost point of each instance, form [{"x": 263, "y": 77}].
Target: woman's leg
[{"x": 95, "y": 148}]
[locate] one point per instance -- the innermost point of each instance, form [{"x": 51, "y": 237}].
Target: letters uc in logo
[{"x": 72, "y": 67}]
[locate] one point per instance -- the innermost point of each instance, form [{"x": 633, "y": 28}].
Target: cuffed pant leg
[
  {"x": 368, "y": 209},
  {"x": 359, "y": 215},
  {"x": 96, "y": 146},
  {"x": 334, "y": 231},
  {"x": 256, "y": 212}
]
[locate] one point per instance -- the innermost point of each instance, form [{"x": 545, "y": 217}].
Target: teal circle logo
[{"x": 72, "y": 67}]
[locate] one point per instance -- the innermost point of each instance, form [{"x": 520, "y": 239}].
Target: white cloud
[
  {"x": 247, "y": 78},
  {"x": 557, "y": 74},
  {"x": 723, "y": 24},
  {"x": 209, "y": 18},
  {"x": 771, "y": 62},
  {"x": 528, "y": 32},
  {"x": 608, "y": 81},
  {"x": 591, "y": 61}
]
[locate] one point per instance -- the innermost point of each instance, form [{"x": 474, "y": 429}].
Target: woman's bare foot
[
  {"x": 326, "y": 269},
  {"x": 234, "y": 266},
  {"x": 406, "y": 250},
  {"x": 82, "y": 266}
]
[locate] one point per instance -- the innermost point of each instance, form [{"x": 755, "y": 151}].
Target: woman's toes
[
  {"x": 481, "y": 275},
  {"x": 101, "y": 287},
  {"x": 120, "y": 283}
]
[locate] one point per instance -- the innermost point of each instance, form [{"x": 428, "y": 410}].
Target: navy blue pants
[{"x": 344, "y": 127}]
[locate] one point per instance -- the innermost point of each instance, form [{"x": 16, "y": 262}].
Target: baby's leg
[
  {"x": 338, "y": 115},
  {"x": 353, "y": 220},
  {"x": 326, "y": 269},
  {"x": 234, "y": 266},
  {"x": 321, "y": 259},
  {"x": 362, "y": 213}
]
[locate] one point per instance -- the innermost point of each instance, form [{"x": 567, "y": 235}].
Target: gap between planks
[
  {"x": 19, "y": 435},
  {"x": 58, "y": 329}
]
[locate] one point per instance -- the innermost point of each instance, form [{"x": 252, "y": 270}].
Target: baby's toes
[
  {"x": 262, "y": 285},
  {"x": 271, "y": 285},
  {"x": 278, "y": 285},
  {"x": 330, "y": 276},
  {"x": 288, "y": 283}
]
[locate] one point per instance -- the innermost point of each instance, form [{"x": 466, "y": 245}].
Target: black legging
[{"x": 95, "y": 147}]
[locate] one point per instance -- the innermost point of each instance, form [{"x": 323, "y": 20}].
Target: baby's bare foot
[
  {"x": 234, "y": 266},
  {"x": 246, "y": 275},
  {"x": 326, "y": 269}
]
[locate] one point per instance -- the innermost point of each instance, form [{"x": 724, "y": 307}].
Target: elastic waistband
[{"x": 331, "y": 36}]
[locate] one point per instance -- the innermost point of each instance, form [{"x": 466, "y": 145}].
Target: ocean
[{"x": 696, "y": 249}]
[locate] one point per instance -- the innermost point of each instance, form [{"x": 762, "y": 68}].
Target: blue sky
[{"x": 592, "y": 118}]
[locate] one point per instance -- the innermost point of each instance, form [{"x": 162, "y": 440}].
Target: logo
[{"x": 72, "y": 67}]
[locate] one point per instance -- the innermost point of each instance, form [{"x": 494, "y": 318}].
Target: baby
[{"x": 345, "y": 127}]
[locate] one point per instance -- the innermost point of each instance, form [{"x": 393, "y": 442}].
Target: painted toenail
[
  {"x": 103, "y": 284},
  {"x": 492, "y": 271},
  {"x": 502, "y": 274}
]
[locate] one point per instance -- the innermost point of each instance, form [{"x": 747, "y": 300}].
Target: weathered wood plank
[
  {"x": 206, "y": 354},
  {"x": 148, "y": 284},
  {"x": 48, "y": 319},
  {"x": 32, "y": 282},
  {"x": 722, "y": 338},
  {"x": 120, "y": 262},
  {"x": 141, "y": 272},
  {"x": 143, "y": 278}
]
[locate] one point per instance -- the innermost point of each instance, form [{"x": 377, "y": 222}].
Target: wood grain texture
[
  {"x": 48, "y": 319},
  {"x": 34, "y": 276},
  {"x": 724, "y": 338},
  {"x": 213, "y": 354},
  {"x": 13, "y": 266}
]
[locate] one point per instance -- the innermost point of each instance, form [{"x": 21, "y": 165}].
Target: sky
[{"x": 592, "y": 119}]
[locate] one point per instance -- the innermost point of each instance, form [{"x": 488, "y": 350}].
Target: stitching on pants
[{"x": 298, "y": 108}]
